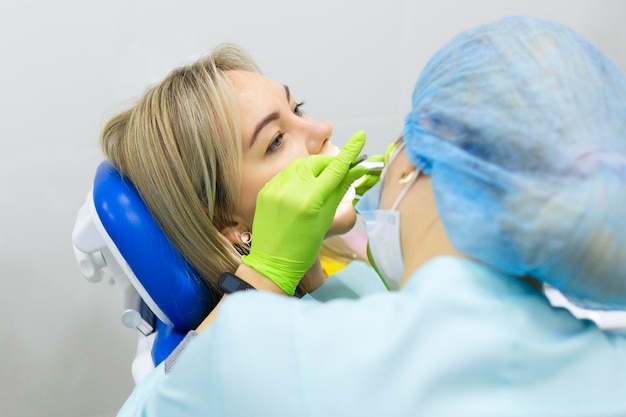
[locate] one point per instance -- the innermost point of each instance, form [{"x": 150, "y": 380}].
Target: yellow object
[{"x": 331, "y": 266}]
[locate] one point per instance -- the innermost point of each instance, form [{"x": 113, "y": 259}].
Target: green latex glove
[
  {"x": 363, "y": 184},
  {"x": 294, "y": 211},
  {"x": 370, "y": 178}
]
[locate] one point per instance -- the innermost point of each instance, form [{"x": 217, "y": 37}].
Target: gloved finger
[
  {"x": 299, "y": 183},
  {"x": 315, "y": 164},
  {"x": 352, "y": 148},
  {"x": 334, "y": 175},
  {"x": 355, "y": 173},
  {"x": 336, "y": 170},
  {"x": 363, "y": 184},
  {"x": 389, "y": 151},
  {"x": 337, "y": 194}
]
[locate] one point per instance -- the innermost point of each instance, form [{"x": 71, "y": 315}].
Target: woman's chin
[{"x": 344, "y": 221}]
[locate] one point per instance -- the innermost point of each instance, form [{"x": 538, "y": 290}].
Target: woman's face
[{"x": 275, "y": 132}]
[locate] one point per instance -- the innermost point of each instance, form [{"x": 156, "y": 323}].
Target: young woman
[{"x": 199, "y": 146}]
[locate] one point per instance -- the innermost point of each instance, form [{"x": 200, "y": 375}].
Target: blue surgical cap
[{"x": 521, "y": 124}]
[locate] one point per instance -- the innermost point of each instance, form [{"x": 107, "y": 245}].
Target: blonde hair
[{"x": 180, "y": 145}]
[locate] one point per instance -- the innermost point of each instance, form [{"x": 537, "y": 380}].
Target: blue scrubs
[{"x": 458, "y": 340}]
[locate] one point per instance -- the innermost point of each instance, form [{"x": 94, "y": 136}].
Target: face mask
[{"x": 383, "y": 232}]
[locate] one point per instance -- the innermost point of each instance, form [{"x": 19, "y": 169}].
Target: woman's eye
[
  {"x": 297, "y": 110},
  {"x": 276, "y": 143}
]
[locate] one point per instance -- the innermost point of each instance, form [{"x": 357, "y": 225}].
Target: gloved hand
[
  {"x": 295, "y": 209},
  {"x": 371, "y": 177}
]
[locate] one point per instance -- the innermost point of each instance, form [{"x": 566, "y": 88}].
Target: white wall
[{"x": 68, "y": 65}]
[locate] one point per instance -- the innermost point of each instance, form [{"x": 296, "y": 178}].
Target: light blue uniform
[{"x": 458, "y": 340}]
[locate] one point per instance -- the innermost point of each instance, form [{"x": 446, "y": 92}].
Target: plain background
[{"x": 69, "y": 65}]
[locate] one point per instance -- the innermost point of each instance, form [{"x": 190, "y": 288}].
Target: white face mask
[{"x": 383, "y": 232}]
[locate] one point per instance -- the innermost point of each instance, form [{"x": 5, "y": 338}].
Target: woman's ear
[{"x": 236, "y": 233}]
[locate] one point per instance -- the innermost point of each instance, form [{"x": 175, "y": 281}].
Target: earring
[
  {"x": 406, "y": 177},
  {"x": 244, "y": 247},
  {"x": 246, "y": 238}
]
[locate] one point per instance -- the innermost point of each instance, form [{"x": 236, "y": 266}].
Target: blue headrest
[{"x": 167, "y": 278}]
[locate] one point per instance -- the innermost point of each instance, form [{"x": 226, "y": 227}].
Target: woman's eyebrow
[
  {"x": 267, "y": 119},
  {"x": 264, "y": 122}
]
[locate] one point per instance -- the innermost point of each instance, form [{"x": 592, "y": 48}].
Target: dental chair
[{"x": 116, "y": 237}]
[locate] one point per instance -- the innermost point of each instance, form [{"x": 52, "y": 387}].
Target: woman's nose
[{"x": 318, "y": 137}]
